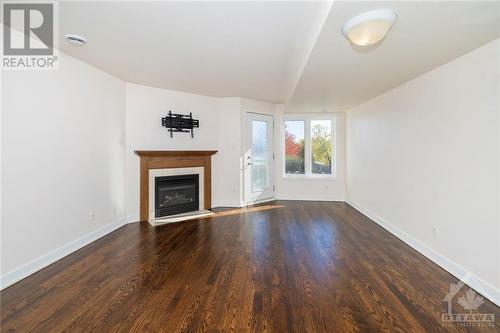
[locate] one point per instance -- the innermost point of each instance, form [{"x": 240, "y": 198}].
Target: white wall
[
  {"x": 427, "y": 154},
  {"x": 62, "y": 160},
  {"x": 228, "y": 167},
  {"x": 145, "y": 106},
  {"x": 329, "y": 189}
]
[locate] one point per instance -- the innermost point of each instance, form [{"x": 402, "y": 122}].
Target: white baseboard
[
  {"x": 51, "y": 257},
  {"x": 256, "y": 202},
  {"x": 450, "y": 266},
  {"x": 308, "y": 198},
  {"x": 226, "y": 203}
]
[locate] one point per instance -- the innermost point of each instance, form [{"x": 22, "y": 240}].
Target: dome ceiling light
[
  {"x": 75, "y": 39},
  {"x": 370, "y": 27}
]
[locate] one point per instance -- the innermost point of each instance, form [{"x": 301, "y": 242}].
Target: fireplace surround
[{"x": 171, "y": 163}]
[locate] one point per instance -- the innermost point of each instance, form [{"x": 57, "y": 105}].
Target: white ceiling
[
  {"x": 426, "y": 35},
  {"x": 246, "y": 49},
  {"x": 284, "y": 51}
]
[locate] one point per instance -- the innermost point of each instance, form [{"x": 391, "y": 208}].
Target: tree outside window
[
  {"x": 294, "y": 147},
  {"x": 316, "y": 142},
  {"x": 321, "y": 146}
]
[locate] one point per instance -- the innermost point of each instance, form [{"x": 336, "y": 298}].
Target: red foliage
[{"x": 292, "y": 148}]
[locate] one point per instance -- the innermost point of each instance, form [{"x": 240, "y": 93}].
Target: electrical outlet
[{"x": 435, "y": 231}]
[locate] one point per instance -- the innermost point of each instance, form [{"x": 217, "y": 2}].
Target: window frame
[{"x": 308, "y": 147}]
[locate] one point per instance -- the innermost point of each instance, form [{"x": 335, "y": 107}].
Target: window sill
[{"x": 309, "y": 177}]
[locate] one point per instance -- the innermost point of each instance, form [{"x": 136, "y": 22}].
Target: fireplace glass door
[{"x": 176, "y": 194}]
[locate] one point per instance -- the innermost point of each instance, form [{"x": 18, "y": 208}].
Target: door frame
[{"x": 247, "y": 170}]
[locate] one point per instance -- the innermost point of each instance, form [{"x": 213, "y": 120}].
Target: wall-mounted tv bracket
[{"x": 175, "y": 122}]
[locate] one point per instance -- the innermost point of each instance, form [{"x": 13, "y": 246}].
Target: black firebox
[{"x": 176, "y": 194}]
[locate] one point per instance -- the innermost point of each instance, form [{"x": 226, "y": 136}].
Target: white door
[{"x": 259, "y": 161}]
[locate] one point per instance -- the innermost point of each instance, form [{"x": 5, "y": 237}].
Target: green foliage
[
  {"x": 321, "y": 142},
  {"x": 294, "y": 165}
]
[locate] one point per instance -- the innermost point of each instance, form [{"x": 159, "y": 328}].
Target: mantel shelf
[{"x": 174, "y": 153}]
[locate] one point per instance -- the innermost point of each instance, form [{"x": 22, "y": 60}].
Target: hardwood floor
[{"x": 287, "y": 266}]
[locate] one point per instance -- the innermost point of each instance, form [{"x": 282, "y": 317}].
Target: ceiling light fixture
[
  {"x": 75, "y": 39},
  {"x": 370, "y": 27}
]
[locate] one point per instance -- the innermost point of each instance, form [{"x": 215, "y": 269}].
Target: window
[
  {"x": 321, "y": 146},
  {"x": 309, "y": 147},
  {"x": 294, "y": 147}
]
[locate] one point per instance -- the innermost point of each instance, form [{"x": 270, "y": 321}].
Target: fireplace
[
  {"x": 176, "y": 194},
  {"x": 154, "y": 164}
]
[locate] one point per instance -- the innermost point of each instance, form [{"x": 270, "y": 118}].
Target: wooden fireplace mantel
[{"x": 160, "y": 159}]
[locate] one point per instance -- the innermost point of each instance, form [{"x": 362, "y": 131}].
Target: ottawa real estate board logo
[
  {"x": 464, "y": 306},
  {"x": 29, "y": 36}
]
